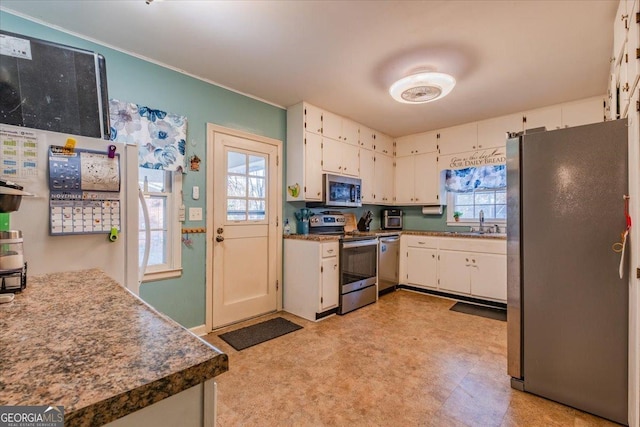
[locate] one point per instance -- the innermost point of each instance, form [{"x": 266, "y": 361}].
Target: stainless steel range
[{"x": 358, "y": 261}]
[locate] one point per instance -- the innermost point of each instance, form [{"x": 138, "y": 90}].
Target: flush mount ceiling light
[{"x": 422, "y": 87}]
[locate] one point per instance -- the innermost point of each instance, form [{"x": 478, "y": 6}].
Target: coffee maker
[{"x": 13, "y": 268}]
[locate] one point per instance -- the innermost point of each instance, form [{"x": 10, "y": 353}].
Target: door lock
[
  {"x": 219, "y": 238},
  {"x": 220, "y": 230}
]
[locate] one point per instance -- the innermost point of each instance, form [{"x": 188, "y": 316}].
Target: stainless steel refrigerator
[{"x": 567, "y": 314}]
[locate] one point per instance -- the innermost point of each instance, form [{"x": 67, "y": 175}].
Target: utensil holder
[{"x": 303, "y": 227}]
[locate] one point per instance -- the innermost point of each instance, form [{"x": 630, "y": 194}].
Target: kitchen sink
[{"x": 475, "y": 233}]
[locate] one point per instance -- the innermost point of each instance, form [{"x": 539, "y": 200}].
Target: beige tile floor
[{"x": 405, "y": 361}]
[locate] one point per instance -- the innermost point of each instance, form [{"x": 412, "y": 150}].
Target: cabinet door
[
  {"x": 422, "y": 267},
  {"x": 489, "y": 275},
  {"x": 583, "y": 112},
  {"x": 384, "y": 178},
  {"x": 331, "y": 155},
  {"x": 405, "y": 146},
  {"x": 384, "y": 144},
  {"x": 312, "y": 119},
  {"x": 329, "y": 286},
  {"x": 454, "y": 271},
  {"x": 312, "y": 166},
  {"x": 404, "y": 180},
  {"x": 367, "y": 138},
  {"x": 331, "y": 125},
  {"x": 426, "y": 180},
  {"x": 549, "y": 117},
  {"x": 367, "y": 175},
  {"x": 458, "y": 139},
  {"x": 350, "y": 132},
  {"x": 350, "y": 159},
  {"x": 493, "y": 132}
]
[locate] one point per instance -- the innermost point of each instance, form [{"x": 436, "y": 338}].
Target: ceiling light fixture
[{"x": 422, "y": 87}]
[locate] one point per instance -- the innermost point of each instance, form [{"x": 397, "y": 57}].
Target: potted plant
[{"x": 457, "y": 215}]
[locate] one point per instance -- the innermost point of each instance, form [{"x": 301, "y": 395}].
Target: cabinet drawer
[
  {"x": 329, "y": 249},
  {"x": 474, "y": 245},
  {"x": 422, "y": 241}
]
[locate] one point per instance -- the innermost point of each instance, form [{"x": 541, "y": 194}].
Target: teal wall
[{"x": 135, "y": 80}]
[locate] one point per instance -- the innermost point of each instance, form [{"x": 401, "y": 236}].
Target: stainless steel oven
[{"x": 358, "y": 272}]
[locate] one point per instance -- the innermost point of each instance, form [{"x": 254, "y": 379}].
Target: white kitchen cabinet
[
  {"x": 417, "y": 180},
  {"x": 383, "y": 179},
  {"x": 548, "y": 117},
  {"x": 454, "y": 271},
  {"x": 493, "y": 132},
  {"x": 367, "y": 175},
  {"x": 488, "y": 276},
  {"x": 583, "y": 112},
  {"x": 340, "y": 128},
  {"x": 367, "y": 138},
  {"x": 458, "y": 139},
  {"x": 311, "y": 278},
  {"x": 340, "y": 158},
  {"x": 312, "y": 117},
  {"x": 421, "y": 261},
  {"x": 383, "y": 144},
  {"x": 419, "y": 143},
  {"x": 304, "y": 153}
]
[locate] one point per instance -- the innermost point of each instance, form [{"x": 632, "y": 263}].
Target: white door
[
  {"x": 454, "y": 271},
  {"x": 421, "y": 267},
  {"x": 245, "y": 224},
  {"x": 404, "y": 180}
]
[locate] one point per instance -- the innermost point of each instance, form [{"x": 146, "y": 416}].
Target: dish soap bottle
[{"x": 287, "y": 227}]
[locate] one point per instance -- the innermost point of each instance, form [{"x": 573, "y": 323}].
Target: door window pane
[{"x": 246, "y": 187}]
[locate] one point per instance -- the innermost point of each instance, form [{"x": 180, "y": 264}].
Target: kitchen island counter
[{"x": 81, "y": 340}]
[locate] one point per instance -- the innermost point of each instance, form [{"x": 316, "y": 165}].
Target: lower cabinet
[
  {"x": 473, "y": 267},
  {"x": 311, "y": 277}
]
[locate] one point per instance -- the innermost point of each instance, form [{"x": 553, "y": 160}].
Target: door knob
[
  {"x": 219, "y": 239},
  {"x": 220, "y": 230}
]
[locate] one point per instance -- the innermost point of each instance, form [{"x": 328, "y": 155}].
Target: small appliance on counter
[
  {"x": 13, "y": 269},
  {"x": 391, "y": 219},
  {"x": 364, "y": 224}
]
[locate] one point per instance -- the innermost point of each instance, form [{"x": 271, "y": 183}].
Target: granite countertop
[
  {"x": 381, "y": 233},
  {"x": 81, "y": 340}
]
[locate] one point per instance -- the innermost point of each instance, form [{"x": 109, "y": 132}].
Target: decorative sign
[{"x": 490, "y": 157}]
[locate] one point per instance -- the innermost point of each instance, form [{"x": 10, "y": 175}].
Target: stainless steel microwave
[{"x": 341, "y": 191}]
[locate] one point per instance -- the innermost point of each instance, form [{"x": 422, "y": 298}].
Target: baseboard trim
[
  {"x": 199, "y": 330},
  {"x": 456, "y": 297}
]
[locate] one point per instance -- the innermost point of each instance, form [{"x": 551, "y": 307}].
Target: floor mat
[
  {"x": 258, "y": 333},
  {"x": 479, "y": 310}
]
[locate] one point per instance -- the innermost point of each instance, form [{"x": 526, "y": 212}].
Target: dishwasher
[{"x": 388, "y": 260}]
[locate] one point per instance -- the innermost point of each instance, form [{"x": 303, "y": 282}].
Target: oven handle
[{"x": 359, "y": 243}]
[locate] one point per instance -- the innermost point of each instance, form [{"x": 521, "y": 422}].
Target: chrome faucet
[{"x": 481, "y": 218}]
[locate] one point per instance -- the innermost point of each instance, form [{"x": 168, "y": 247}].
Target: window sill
[
  {"x": 475, "y": 224},
  {"x": 152, "y": 276}
]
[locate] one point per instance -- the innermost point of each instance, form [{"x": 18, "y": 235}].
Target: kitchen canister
[{"x": 11, "y": 250}]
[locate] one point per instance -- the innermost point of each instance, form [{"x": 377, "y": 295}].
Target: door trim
[{"x": 212, "y": 130}]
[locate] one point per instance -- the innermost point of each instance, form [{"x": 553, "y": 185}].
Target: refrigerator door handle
[{"x": 147, "y": 236}]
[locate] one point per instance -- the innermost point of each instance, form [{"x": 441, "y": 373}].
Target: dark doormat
[
  {"x": 258, "y": 333},
  {"x": 479, "y": 310}
]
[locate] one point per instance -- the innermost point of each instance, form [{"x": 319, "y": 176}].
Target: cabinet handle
[
  {"x": 473, "y": 260},
  {"x": 318, "y": 193},
  {"x": 466, "y": 259},
  {"x": 433, "y": 256},
  {"x": 335, "y": 266},
  {"x": 479, "y": 146},
  {"x": 339, "y": 167},
  {"x": 421, "y": 243},
  {"x": 319, "y": 130},
  {"x": 330, "y": 251}
]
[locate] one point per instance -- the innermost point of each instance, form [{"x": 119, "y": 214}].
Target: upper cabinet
[
  {"x": 304, "y": 153},
  {"x": 583, "y": 112},
  {"x": 548, "y": 117},
  {"x": 339, "y": 128},
  {"x": 625, "y": 63},
  {"x": 384, "y": 144},
  {"x": 493, "y": 132},
  {"x": 458, "y": 139},
  {"x": 312, "y": 117},
  {"x": 374, "y": 140},
  {"x": 417, "y": 143}
]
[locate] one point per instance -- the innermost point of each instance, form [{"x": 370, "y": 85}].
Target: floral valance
[
  {"x": 160, "y": 136},
  {"x": 479, "y": 178}
]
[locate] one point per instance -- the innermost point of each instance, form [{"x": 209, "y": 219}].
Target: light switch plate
[
  {"x": 195, "y": 193},
  {"x": 195, "y": 214}
]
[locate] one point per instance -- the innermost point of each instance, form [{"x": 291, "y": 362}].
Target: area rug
[
  {"x": 479, "y": 310},
  {"x": 259, "y": 333}
]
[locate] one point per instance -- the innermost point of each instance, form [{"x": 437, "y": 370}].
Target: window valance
[
  {"x": 479, "y": 178},
  {"x": 160, "y": 136}
]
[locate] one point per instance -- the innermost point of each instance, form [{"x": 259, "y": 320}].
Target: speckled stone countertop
[
  {"x": 81, "y": 340},
  {"x": 380, "y": 233}
]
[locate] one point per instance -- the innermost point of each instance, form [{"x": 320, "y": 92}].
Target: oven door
[{"x": 358, "y": 264}]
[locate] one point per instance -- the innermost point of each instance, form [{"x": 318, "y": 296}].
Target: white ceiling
[{"x": 342, "y": 56}]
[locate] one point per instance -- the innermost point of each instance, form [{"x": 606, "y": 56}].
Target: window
[
  {"x": 492, "y": 202},
  {"x": 246, "y": 186},
  {"x": 161, "y": 190}
]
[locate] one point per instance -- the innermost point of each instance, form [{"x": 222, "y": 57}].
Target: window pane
[
  {"x": 237, "y": 163},
  {"x": 257, "y": 166},
  {"x": 155, "y": 179},
  {"x": 157, "y": 247},
  {"x": 484, "y": 198},
  {"x": 236, "y": 186},
  {"x": 501, "y": 211},
  {"x": 489, "y": 211},
  {"x": 257, "y": 187},
  {"x": 464, "y": 199},
  {"x": 467, "y": 211},
  {"x": 236, "y": 209},
  {"x": 256, "y": 209},
  {"x": 157, "y": 210},
  {"x": 501, "y": 197}
]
